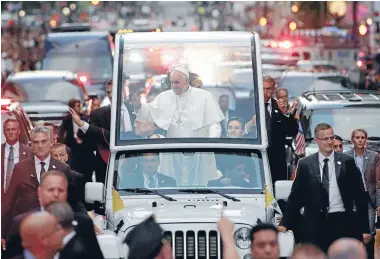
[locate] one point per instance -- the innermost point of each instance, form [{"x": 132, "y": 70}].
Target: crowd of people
[
  {"x": 22, "y": 48},
  {"x": 334, "y": 195}
]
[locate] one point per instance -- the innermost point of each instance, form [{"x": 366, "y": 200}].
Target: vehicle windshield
[
  {"x": 216, "y": 94},
  {"x": 345, "y": 120},
  {"x": 46, "y": 90},
  {"x": 297, "y": 85},
  {"x": 96, "y": 66},
  {"x": 169, "y": 172}
]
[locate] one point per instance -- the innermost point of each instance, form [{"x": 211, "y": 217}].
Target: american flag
[{"x": 300, "y": 141}]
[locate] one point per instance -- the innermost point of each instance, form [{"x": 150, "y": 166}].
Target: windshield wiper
[
  {"x": 209, "y": 191},
  {"x": 374, "y": 138},
  {"x": 145, "y": 190}
]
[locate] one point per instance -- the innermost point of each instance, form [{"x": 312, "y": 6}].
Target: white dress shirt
[
  {"x": 335, "y": 199},
  {"x": 146, "y": 180},
  {"x": 75, "y": 129},
  {"x": 37, "y": 163},
  {"x": 16, "y": 149},
  {"x": 269, "y": 107}
]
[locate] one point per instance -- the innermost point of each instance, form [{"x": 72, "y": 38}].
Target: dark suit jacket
[
  {"x": 81, "y": 154},
  {"x": 371, "y": 168},
  {"x": 22, "y": 191},
  {"x": 25, "y": 152},
  {"x": 84, "y": 229},
  {"x": 137, "y": 181},
  {"x": 76, "y": 249},
  {"x": 307, "y": 192},
  {"x": 279, "y": 126}
]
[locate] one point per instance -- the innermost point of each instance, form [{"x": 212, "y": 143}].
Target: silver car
[{"x": 45, "y": 94}]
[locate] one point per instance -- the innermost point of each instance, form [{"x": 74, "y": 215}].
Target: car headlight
[{"x": 242, "y": 238}]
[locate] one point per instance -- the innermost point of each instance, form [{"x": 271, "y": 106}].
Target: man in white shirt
[
  {"x": 22, "y": 190},
  {"x": 12, "y": 151},
  {"x": 329, "y": 191}
]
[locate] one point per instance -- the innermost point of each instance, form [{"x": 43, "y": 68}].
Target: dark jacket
[
  {"x": 307, "y": 193},
  {"x": 22, "y": 191},
  {"x": 84, "y": 229}
]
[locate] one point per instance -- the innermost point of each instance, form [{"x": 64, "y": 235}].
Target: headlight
[{"x": 242, "y": 238}]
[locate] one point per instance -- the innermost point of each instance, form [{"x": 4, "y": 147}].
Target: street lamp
[
  {"x": 292, "y": 26},
  {"x": 295, "y": 8},
  {"x": 363, "y": 29},
  {"x": 21, "y": 13},
  {"x": 263, "y": 21}
]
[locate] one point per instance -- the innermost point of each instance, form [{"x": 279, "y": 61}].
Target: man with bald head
[
  {"x": 347, "y": 248},
  {"x": 41, "y": 235}
]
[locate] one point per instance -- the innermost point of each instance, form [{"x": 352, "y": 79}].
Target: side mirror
[
  {"x": 94, "y": 192},
  {"x": 282, "y": 190}
]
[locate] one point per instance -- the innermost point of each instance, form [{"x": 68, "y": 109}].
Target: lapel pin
[
  {"x": 23, "y": 153},
  {"x": 338, "y": 162},
  {"x": 275, "y": 111},
  {"x": 53, "y": 166},
  {"x": 32, "y": 175}
]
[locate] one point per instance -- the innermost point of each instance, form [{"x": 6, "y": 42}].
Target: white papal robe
[{"x": 194, "y": 114}]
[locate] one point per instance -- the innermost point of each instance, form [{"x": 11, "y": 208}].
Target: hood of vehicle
[{"x": 192, "y": 212}]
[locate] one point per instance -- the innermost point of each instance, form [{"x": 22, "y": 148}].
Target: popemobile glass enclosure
[
  {"x": 191, "y": 87},
  {"x": 188, "y": 138}
]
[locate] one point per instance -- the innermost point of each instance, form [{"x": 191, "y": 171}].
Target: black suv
[
  {"x": 13, "y": 110},
  {"x": 344, "y": 111}
]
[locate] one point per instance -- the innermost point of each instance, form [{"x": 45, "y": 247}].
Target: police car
[
  {"x": 13, "y": 110},
  {"x": 344, "y": 111}
]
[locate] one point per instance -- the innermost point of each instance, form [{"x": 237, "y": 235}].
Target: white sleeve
[
  {"x": 143, "y": 113},
  {"x": 214, "y": 130},
  {"x": 84, "y": 127}
]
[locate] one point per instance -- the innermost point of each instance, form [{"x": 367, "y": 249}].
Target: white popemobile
[{"x": 177, "y": 163}]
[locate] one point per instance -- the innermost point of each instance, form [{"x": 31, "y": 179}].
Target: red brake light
[
  {"x": 83, "y": 79},
  {"x": 5, "y": 103}
]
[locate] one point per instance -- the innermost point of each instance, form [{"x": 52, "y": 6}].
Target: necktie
[
  {"x": 42, "y": 168},
  {"x": 151, "y": 182},
  {"x": 325, "y": 181},
  {"x": 10, "y": 166},
  {"x": 267, "y": 114}
]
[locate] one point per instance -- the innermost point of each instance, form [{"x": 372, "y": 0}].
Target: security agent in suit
[
  {"x": 101, "y": 118},
  {"x": 59, "y": 153},
  {"x": 74, "y": 245},
  {"x": 12, "y": 152},
  {"x": 53, "y": 188},
  {"x": 82, "y": 155},
  {"x": 149, "y": 178},
  {"x": 280, "y": 124},
  {"x": 368, "y": 162},
  {"x": 22, "y": 190},
  {"x": 329, "y": 192}
]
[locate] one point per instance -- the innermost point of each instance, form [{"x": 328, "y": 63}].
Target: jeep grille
[{"x": 195, "y": 244}]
